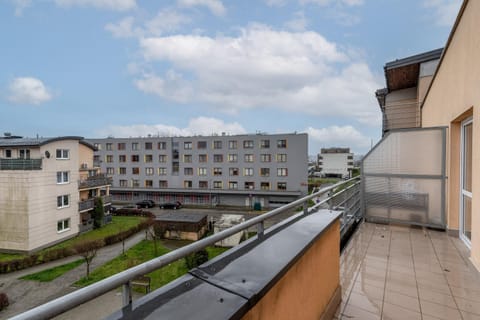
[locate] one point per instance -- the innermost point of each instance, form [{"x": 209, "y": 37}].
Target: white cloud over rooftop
[{"x": 28, "y": 90}]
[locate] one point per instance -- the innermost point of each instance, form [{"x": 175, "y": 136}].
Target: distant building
[
  {"x": 407, "y": 82},
  {"x": 181, "y": 226},
  {"x": 47, "y": 190},
  {"x": 335, "y": 162},
  {"x": 256, "y": 170}
]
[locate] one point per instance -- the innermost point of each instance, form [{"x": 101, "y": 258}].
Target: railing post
[
  {"x": 305, "y": 208},
  {"x": 126, "y": 294},
  {"x": 260, "y": 229}
]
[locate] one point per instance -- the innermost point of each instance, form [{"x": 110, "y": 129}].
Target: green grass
[
  {"x": 11, "y": 256},
  {"x": 53, "y": 273},
  {"x": 142, "y": 252}
]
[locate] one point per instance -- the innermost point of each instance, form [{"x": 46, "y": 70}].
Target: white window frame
[
  {"x": 64, "y": 154},
  {"x": 65, "y": 225},
  {"x": 64, "y": 204},
  {"x": 63, "y": 177}
]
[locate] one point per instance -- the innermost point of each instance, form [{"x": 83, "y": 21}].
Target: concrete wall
[{"x": 453, "y": 97}]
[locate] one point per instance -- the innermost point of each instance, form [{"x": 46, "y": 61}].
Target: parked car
[
  {"x": 171, "y": 205},
  {"x": 146, "y": 204}
]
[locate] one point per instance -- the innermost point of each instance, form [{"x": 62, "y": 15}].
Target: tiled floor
[{"x": 395, "y": 272}]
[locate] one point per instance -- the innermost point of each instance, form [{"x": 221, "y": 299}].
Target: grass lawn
[
  {"x": 140, "y": 253},
  {"x": 53, "y": 273}
]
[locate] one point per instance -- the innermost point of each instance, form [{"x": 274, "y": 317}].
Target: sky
[{"x": 129, "y": 68}]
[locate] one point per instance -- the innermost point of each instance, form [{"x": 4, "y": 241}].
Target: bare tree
[{"x": 88, "y": 250}]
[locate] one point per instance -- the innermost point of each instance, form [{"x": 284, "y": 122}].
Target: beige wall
[
  {"x": 401, "y": 109},
  {"x": 308, "y": 287},
  {"x": 453, "y": 96}
]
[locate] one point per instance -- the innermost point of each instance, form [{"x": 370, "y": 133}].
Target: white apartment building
[{"x": 335, "y": 162}]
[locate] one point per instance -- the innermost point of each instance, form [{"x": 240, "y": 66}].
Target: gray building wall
[{"x": 291, "y": 158}]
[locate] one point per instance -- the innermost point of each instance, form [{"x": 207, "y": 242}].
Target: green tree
[
  {"x": 98, "y": 213},
  {"x": 88, "y": 250}
]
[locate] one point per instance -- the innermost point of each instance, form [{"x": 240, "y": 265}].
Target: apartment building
[
  {"x": 47, "y": 189},
  {"x": 407, "y": 81},
  {"x": 236, "y": 170},
  {"x": 335, "y": 162}
]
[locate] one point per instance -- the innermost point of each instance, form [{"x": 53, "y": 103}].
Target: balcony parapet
[
  {"x": 20, "y": 164},
  {"x": 89, "y": 204},
  {"x": 95, "y": 181}
]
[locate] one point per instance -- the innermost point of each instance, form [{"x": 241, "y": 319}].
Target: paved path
[{"x": 24, "y": 295}]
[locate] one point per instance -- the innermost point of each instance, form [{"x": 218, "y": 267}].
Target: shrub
[
  {"x": 195, "y": 259},
  {"x": 3, "y": 301}
]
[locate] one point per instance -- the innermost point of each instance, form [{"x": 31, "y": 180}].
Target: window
[
  {"x": 98, "y": 146},
  {"x": 281, "y": 186},
  {"x": 265, "y": 172},
  {"x": 121, "y": 146},
  {"x": 148, "y": 183},
  {"x": 62, "y": 177},
  {"x": 162, "y": 145},
  {"x": 232, "y": 158},
  {"x": 149, "y": 171},
  {"x": 123, "y": 183},
  {"x": 282, "y": 172},
  {"x": 162, "y": 171},
  {"x": 281, "y": 143},
  {"x": 188, "y": 171},
  {"x": 248, "y": 144},
  {"x": 281, "y": 157},
  {"x": 217, "y": 171},
  {"x": 217, "y": 184},
  {"x": 218, "y": 158},
  {"x": 187, "y": 184},
  {"x": 232, "y": 144},
  {"x": 162, "y": 158},
  {"x": 63, "y": 201},
  {"x": 187, "y": 158},
  {"x": 135, "y": 183},
  {"x": 233, "y": 171},
  {"x": 134, "y": 145},
  {"x": 248, "y": 158},
  {"x": 202, "y": 158},
  {"x": 61, "y": 153},
  {"x": 148, "y": 158},
  {"x": 187, "y": 145},
  {"x": 163, "y": 183},
  {"x": 135, "y": 158},
  {"x": 63, "y": 225},
  {"x": 217, "y": 144},
  {"x": 201, "y": 144},
  {"x": 265, "y": 185},
  {"x": 109, "y": 158},
  {"x": 350, "y": 163},
  {"x": 233, "y": 185},
  {"x": 24, "y": 154},
  {"x": 110, "y": 171},
  {"x": 108, "y": 146},
  {"x": 8, "y": 153},
  {"x": 203, "y": 184},
  {"x": 135, "y": 170},
  {"x": 175, "y": 168},
  {"x": 265, "y": 158},
  {"x": 148, "y": 146},
  {"x": 248, "y": 171},
  {"x": 122, "y": 158},
  {"x": 350, "y": 157},
  {"x": 202, "y": 171},
  {"x": 264, "y": 144},
  {"x": 122, "y": 170},
  {"x": 249, "y": 185}
]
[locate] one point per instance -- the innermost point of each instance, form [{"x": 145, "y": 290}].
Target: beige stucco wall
[
  {"x": 454, "y": 95},
  {"x": 308, "y": 287}
]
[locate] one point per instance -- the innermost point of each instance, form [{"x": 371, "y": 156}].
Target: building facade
[
  {"x": 47, "y": 187},
  {"x": 335, "y": 162},
  {"x": 240, "y": 170}
]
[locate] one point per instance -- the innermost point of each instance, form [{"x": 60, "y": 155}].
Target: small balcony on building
[
  {"x": 89, "y": 204},
  {"x": 94, "y": 181},
  {"x": 20, "y": 164}
]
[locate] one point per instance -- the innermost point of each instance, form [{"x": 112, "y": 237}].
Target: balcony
[
  {"x": 89, "y": 204},
  {"x": 20, "y": 164},
  {"x": 95, "y": 181}
]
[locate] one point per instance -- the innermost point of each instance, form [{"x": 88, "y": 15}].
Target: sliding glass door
[{"x": 466, "y": 182}]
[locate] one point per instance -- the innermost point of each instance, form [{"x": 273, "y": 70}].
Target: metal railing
[
  {"x": 89, "y": 204},
  {"x": 95, "y": 181},
  {"x": 20, "y": 164},
  {"x": 124, "y": 278}
]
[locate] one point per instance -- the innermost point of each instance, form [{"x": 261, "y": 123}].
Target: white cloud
[
  {"x": 196, "y": 126},
  {"x": 298, "y": 23},
  {"x": 276, "y": 3},
  {"x": 215, "y": 6},
  {"x": 337, "y": 136},
  {"x": 21, "y": 5},
  {"x": 445, "y": 11},
  {"x": 124, "y": 28},
  {"x": 28, "y": 90},
  {"x": 262, "y": 68},
  {"x": 117, "y": 5}
]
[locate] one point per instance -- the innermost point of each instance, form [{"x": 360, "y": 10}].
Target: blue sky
[{"x": 121, "y": 68}]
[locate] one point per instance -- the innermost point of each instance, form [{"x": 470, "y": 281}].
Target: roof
[
  {"x": 418, "y": 58},
  {"x": 181, "y": 217},
  {"x": 37, "y": 142}
]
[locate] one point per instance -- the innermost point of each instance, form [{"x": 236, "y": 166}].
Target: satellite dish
[{"x": 47, "y": 154}]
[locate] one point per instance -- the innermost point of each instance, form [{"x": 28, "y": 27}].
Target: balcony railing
[
  {"x": 343, "y": 195},
  {"x": 87, "y": 226},
  {"x": 89, "y": 204},
  {"x": 95, "y": 181},
  {"x": 20, "y": 164}
]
